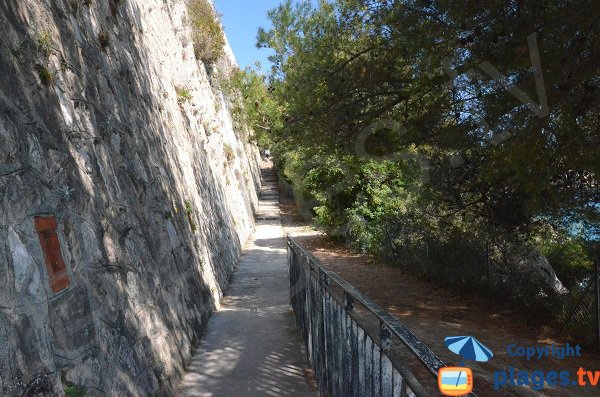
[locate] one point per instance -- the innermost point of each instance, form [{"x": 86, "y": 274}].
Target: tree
[
  {"x": 509, "y": 143},
  {"x": 254, "y": 105}
]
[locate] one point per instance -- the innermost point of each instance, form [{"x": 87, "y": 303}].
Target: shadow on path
[{"x": 251, "y": 346}]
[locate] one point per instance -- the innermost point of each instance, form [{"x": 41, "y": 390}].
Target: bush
[
  {"x": 183, "y": 95},
  {"x": 103, "y": 39},
  {"x": 253, "y": 106},
  {"x": 46, "y": 77},
  {"x": 229, "y": 153},
  {"x": 43, "y": 43},
  {"x": 570, "y": 261},
  {"x": 207, "y": 33},
  {"x": 74, "y": 391}
]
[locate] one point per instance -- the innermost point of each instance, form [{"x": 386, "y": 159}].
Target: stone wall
[{"x": 153, "y": 196}]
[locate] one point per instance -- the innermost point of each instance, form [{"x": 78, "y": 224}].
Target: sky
[{"x": 241, "y": 20}]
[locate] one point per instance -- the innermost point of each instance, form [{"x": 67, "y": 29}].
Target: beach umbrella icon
[{"x": 469, "y": 348}]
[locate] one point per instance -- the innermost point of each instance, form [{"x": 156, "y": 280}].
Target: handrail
[{"x": 410, "y": 340}]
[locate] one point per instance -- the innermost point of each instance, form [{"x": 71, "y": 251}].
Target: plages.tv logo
[
  {"x": 455, "y": 381},
  {"x": 458, "y": 381}
]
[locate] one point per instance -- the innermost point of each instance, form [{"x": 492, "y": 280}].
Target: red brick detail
[{"x": 57, "y": 271}]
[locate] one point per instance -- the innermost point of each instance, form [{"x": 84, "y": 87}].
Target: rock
[
  {"x": 71, "y": 323},
  {"x": 530, "y": 263},
  {"x": 27, "y": 276},
  {"x": 102, "y": 149}
]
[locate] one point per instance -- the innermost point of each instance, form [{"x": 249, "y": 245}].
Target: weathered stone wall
[{"x": 153, "y": 198}]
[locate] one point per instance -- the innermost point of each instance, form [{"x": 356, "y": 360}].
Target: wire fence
[
  {"x": 470, "y": 263},
  {"x": 582, "y": 318}
]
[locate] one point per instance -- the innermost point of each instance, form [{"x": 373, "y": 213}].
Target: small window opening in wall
[{"x": 45, "y": 227}]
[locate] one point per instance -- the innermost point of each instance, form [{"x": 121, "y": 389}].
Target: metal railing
[{"x": 347, "y": 355}]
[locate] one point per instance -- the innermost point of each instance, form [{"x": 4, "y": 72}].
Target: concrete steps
[{"x": 268, "y": 198}]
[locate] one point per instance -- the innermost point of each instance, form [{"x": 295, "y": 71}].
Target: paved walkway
[{"x": 251, "y": 346}]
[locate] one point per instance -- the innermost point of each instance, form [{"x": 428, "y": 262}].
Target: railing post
[
  {"x": 326, "y": 336},
  {"x": 349, "y": 300},
  {"x": 346, "y": 358},
  {"x": 324, "y": 279},
  {"x": 488, "y": 272},
  {"x": 385, "y": 335}
]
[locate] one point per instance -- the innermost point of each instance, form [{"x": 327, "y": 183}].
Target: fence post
[
  {"x": 488, "y": 273},
  {"x": 487, "y": 263},
  {"x": 597, "y": 297}
]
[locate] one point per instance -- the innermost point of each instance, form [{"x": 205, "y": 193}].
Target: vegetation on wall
[
  {"x": 43, "y": 41},
  {"x": 207, "y": 33},
  {"x": 103, "y": 39},
  {"x": 76, "y": 4},
  {"x": 183, "y": 95},
  {"x": 189, "y": 211},
  {"x": 228, "y": 153},
  {"x": 46, "y": 77}
]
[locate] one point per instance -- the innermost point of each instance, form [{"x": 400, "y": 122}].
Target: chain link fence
[
  {"x": 582, "y": 316},
  {"x": 481, "y": 266}
]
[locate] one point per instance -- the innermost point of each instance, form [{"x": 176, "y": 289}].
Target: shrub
[
  {"x": 254, "y": 109},
  {"x": 74, "y": 391},
  {"x": 183, "y": 95},
  {"x": 189, "y": 210},
  {"x": 46, "y": 76},
  {"x": 103, "y": 39},
  {"x": 229, "y": 153},
  {"x": 43, "y": 43},
  {"x": 570, "y": 261},
  {"x": 207, "y": 33}
]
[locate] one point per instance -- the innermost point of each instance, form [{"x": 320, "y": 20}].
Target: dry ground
[{"x": 433, "y": 312}]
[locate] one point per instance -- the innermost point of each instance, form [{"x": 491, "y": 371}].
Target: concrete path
[{"x": 251, "y": 346}]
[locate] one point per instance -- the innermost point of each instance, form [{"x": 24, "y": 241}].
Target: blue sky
[{"x": 241, "y": 20}]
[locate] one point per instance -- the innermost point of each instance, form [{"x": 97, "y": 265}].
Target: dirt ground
[{"x": 434, "y": 312}]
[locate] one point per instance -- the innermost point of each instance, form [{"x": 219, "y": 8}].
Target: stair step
[{"x": 268, "y": 205}]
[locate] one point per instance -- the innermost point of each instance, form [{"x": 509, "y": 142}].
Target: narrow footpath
[{"x": 251, "y": 346}]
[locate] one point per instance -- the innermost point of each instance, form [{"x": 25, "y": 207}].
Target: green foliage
[
  {"x": 388, "y": 122},
  {"x": 74, "y": 391},
  {"x": 570, "y": 260},
  {"x": 183, "y": 95},
  {"x": 346, "y": 65},
  {"x": 189, "y": 210},
  {"x": 46, "y": 77},
  {"x": 207, "y": 32},
  {"x": 254, "y": 106},
  {"x": 229, "y": 153},
  {"x": 43, "y": 43}
]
